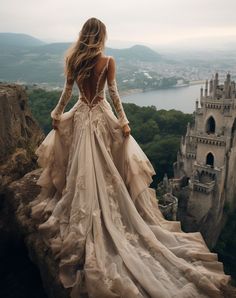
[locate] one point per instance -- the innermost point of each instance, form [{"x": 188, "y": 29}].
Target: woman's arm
[
  {"x": 114, "y": 94},
  {"x": 64, "y": 99}
]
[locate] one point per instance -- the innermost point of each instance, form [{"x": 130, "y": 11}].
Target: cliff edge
[{"x": 19, "y": 134}]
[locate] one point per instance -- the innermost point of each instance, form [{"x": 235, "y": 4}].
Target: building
[{"x": 205, "y": 170}]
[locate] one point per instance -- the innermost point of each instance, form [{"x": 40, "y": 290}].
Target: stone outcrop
[
  {"x": 17, "y": 196},
  {"x": 19, "y": 134}
]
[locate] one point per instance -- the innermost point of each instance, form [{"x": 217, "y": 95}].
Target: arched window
[
  {"x": 210, "y": 159},
  {"x": 210, "y": 125}
]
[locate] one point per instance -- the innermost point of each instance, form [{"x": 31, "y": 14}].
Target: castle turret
[
  {"x": 165, "y": 182},
  {"x": 211, "y": 87},
  {"x": 215, "y": 84},
  {"x": 188, "y": 129},
  {"x": 196, "y": 105},
  {"x": 227, "y": 87},
  {"x": 232, "y": 90},
  {"x": 201, "y": 95},
  {"x": 206, "y": 88}
]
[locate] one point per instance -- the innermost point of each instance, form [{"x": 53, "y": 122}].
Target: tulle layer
[{"x": 102, "y": 221}]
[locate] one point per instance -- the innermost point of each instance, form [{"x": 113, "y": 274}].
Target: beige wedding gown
[{"x": 100, "y": 217}]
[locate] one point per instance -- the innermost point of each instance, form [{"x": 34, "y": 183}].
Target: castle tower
[{"x": 207, "y": 158}]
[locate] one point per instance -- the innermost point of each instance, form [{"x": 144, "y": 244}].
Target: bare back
[{"x": 92, "y": 89}]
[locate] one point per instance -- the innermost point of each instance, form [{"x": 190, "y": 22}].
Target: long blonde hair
[{"x": 81, "y": 57}]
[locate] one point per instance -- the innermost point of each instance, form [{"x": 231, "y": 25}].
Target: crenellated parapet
[
  {"x": 210, "y": 139},
  {"x": 214, "y": 90},
  {"x": 205, "y": 188},
  {"x": 215, "y": 141},
  {"x": 205, "y": 170}
]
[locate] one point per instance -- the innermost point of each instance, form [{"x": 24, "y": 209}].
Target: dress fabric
[{"x": 101, "y": 219}]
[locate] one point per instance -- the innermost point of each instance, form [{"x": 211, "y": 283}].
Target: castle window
[
  {"x": 210, "y": 125},
  {"x": 210, "y": 159}
]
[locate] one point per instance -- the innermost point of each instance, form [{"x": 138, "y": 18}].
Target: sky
[{"x": 151, "y": 22}]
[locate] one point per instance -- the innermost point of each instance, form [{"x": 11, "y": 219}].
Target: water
[{"x": 180, "y": 98}]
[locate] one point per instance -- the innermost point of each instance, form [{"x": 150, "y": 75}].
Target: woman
[{"x": 96, "y": 210}]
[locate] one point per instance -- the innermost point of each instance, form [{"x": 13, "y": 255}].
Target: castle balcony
[
  {"x": 206, "y": 169},
  {"x": 205, "y": 188},
  {"x": 225, "y": 105},
  {"x": 213, "y": 104},
  {"x": 209, "y": 139}
]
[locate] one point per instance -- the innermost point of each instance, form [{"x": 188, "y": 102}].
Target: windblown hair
[{"x": 82, "y": 56}]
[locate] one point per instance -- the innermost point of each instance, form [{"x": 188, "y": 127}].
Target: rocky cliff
[
  {"x": 19, "y": 134},
  {"x": 20, "y": 244},
  {"x": 17, "y": 196}
]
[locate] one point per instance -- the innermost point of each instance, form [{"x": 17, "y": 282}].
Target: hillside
[
  {"x": 137, "y": 52},
  {"x": 18, "y": 40},
  {"x": 26, "y": 59}
]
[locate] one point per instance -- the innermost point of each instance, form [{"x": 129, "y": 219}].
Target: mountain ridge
[
  {"x": 19, "y": 39},
  {"x": 24, "y": 58},
  {"x": 137, "y": 51}
]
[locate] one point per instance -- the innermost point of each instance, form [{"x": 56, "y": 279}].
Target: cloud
[{"x": 150, "y": 21}]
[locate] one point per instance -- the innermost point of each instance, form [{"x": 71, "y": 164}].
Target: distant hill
[
  {"x": 28, "y": 59},
  {"x": 137, "y": 52},
  {"x": 19, "y": 40},
  {"x": 55, "y": 48}
]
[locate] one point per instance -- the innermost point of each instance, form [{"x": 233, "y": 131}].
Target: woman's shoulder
[
  {"x": 106, "y": 59},
  {"x": 110, "y": 61},
  {"x": 110, "y": 57}
]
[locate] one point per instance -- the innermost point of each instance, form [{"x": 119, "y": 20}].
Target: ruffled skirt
[{"x": 101, "y": 219}]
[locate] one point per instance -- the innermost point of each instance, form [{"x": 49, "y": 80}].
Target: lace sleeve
[
  {"x": 114, "y": 95},
  {"x": 63, "y": 101}
]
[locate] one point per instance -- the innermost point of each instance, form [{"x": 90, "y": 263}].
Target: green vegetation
[
  {"x": 158, "y": 132},
  {"x": 42, "y": 103}
]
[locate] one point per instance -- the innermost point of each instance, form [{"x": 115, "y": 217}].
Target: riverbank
[
  {"x": 139, "y": 90},
  {"x": 179, "y": 98},
  {"x": 197, "y": 82}
]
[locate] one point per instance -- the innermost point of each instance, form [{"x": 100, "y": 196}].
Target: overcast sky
[{"x": 157, "y": 22}]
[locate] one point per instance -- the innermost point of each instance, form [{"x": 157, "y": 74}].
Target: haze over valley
[{"x": 28, "y": 60}]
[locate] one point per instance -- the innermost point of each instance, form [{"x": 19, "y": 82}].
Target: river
[{"x": 179, "y": 98}]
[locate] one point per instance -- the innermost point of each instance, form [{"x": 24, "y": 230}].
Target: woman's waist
[
  {"x": 101, "y": 101},
  {"x": 91, "y": 103}
]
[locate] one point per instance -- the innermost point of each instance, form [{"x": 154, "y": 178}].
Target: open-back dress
[{"x": 98, "y": 214}]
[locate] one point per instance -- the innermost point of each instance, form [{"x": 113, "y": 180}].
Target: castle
[{"x": 205, "y": 170}]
